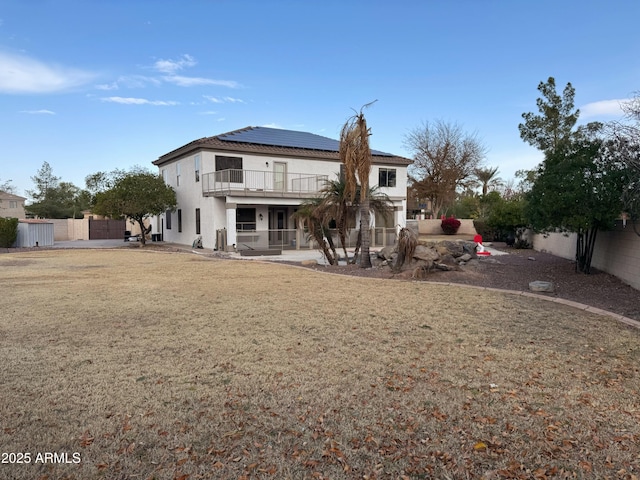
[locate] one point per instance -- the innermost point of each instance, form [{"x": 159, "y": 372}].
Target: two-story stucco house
[
  {"x": 241, "y": 188},
  {"x": 11, "y": 206}
]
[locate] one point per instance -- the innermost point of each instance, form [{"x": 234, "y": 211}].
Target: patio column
[
  {"x": 401, "y": 215},
  {"x": 231, "y": 226}
]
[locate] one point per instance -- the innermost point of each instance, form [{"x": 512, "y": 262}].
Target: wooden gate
[{"x": 106, "y": 229}]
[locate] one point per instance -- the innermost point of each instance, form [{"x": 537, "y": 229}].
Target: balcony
[{"x": 257, "y": 183}]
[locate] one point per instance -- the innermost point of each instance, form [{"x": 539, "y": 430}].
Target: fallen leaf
[{"x": 480, "y": 446}]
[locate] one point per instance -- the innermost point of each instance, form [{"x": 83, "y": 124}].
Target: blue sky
[{"x": 95, "y": 85}]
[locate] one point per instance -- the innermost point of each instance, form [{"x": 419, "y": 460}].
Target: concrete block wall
[
  {"x": 60, "y": 229},
  {"x": 70, "y": 229},
  {"x": 616, "y": 251},
  {"x": 432, "y": 227}
]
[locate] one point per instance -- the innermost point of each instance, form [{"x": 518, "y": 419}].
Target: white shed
[{"x": 34, "y": 233}]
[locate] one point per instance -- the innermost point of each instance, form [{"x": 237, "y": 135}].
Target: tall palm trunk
[
  {"x": 355, "y": 153},
  {"x": 365, "y": 222}
]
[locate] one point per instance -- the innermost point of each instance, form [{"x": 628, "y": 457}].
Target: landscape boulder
[
  {"x": 453, "y": 248},
  {"x": 387, "y": 252},
  {"x": 426, "y": 253}
]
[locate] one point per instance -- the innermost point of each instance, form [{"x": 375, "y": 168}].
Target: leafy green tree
[
  {"x": 554, "y": 126},
  {"x": 578, "y": 186},
  {"x": 577, "y": 189},
  {"x": 507, "y": 218},
  {"x": 102, "y": 181},
  {"x": 43, "y": 205},
  {"x": 467, "y": 205},
  {"x": 136, "y": 196},
  {"x": 55, "y": 199}
]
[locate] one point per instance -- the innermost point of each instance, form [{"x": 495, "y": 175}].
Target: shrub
[
  {"x": 484, "y": 229},
  {"x": 8, "y": 232},
  {"x": 450, "y": 225}
]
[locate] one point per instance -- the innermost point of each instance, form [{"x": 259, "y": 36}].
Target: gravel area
[{"x": 520, "y": 267}]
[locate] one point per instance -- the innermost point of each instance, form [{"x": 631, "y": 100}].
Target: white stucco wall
[{"x": 213, "y": 211}]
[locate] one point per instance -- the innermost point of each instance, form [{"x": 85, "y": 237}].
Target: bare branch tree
[{"x": 445, "y": 159}]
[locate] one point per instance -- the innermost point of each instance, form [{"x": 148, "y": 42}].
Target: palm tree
[
  {"x": 315, "y": 219},
  {"x": 339, "y": 208},
  {"x": 356, "y": 155},
  {"x": 487, "y": 178}
]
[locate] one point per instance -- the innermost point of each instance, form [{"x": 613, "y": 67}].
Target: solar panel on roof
[{"x": 286, "y": 138}]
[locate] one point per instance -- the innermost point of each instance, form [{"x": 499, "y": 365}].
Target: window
[
  {"x": 387, "y": 177},
  {"x": 168, "y": 217},
  {"x": 179, "y": 220},
  {"x": 13, "y": 204},
  {"x": 234, "y": 164},
  {"x": 197, "y": 221},
  {"x": 245, "y": 219},
  {"x": 164, "y": 175},
  {"x": 177, "y": 174},
  {"x": 196, "y": 162}
]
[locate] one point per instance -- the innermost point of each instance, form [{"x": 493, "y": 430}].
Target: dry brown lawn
[{"x": 175, "y": 366}]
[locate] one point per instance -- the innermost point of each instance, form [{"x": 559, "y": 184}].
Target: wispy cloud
[
  {"x": 173, "y": 66},
  {"x": 210, "y": 112},
  {"x": 108, "y": 86},
  {"x": 223, "y": 99},
  {"x": 603, "y": 108},
  {"x": 273, "y": 125},
  {"x": 183, "y": 81},
  {"x": 21, "y": 74},
  {"x": 169, "y": 70},
  {"x": 38, "y": 112},
  {"x": 138, "y": 101}
]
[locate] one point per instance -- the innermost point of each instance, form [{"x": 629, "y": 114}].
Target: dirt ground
[
  {"x": 516, "y": 270},
  {"x": 511, "y": 272},
  {"x": 167, "y": 365}
]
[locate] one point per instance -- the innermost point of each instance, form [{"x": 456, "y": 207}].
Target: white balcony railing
[{"x": 229, "y": 181}]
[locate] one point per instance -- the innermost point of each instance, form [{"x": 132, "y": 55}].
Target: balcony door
[{"x": 279, "y": 176}]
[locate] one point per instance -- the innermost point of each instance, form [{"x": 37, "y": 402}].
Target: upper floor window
[
  {"x": 196, "y": 162},
  {"x": 164, "y": 175},
  {"x": 177, "y": 174},
  {"x": 13, "y": 204},
  {"x": 230, "y": 163},
  {"x": 387, "y": 177}
]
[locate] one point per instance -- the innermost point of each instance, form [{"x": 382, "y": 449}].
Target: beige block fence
[{"x": 616, "y": 251}]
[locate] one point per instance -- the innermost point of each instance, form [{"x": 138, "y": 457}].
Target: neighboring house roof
[
  {"x": 7, "y": 195},
  {"x": 275, "y": 142}
]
